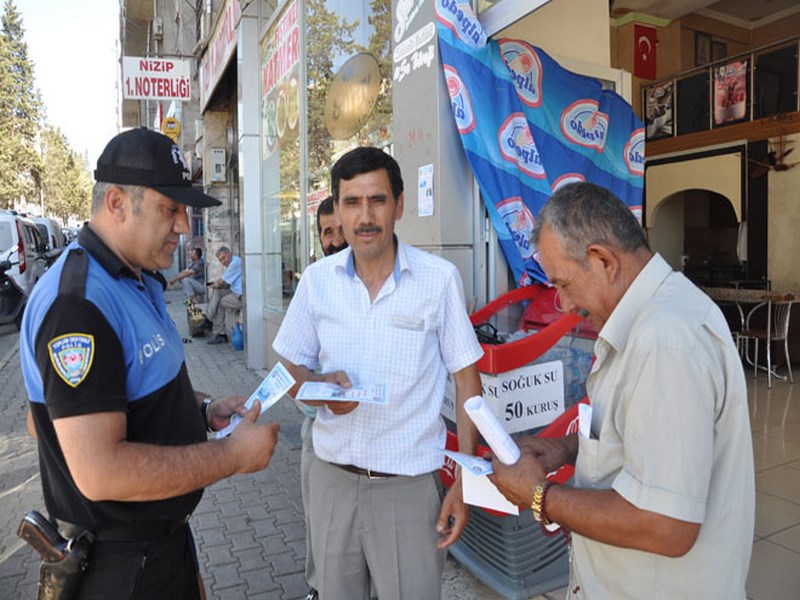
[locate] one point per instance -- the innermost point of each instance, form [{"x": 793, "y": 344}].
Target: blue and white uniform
[{"x": 99, "y": 339}]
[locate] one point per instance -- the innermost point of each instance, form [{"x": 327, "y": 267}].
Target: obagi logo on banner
[
  {"x": 459, "y": 98},
  {"x": 459, "y": 18},
  {"x": 517, "y": 146},
  {"x": 526, "y": 70},
  {"x": 634, "y": 153},
  {"x": 583, "y": 123}
]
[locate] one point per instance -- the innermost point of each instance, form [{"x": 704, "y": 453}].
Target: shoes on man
[
  {"x": 220, "y": 338},
  {"x": 312, "y": 595}
]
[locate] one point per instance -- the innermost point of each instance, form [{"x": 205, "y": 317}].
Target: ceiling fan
[{"x": 774, "y": 159}]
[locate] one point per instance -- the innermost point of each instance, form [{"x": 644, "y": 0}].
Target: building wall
[
  {"x": 776, "y": 31},
  {"x": 783, "y": 241},
  {"x": 575, "y": 29}
]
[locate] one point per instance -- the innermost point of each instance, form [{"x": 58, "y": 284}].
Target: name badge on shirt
[{"x": 407, "y": 322}]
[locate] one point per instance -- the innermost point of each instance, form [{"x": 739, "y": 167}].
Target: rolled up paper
[{"x": 503, "y": 447}]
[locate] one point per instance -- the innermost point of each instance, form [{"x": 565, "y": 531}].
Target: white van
[
  {"x": 22, "y": 244},
  {"x": 51, "y": 232}
]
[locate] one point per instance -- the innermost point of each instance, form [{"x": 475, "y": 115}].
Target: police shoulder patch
[{"x": 72, "y": 355}]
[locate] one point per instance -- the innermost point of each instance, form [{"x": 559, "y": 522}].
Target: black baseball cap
[{"x": 150, "y": 159}]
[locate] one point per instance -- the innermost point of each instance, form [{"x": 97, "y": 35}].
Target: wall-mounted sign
[
  {"x": 221, "y": 47},
  {"x": 352, "y": 96},
  {"x": 730, "y": 92},
  {"x": 280, "y": 100},
  {"x": 171, "y": 128},
  {"x": 145, "y": 78}
]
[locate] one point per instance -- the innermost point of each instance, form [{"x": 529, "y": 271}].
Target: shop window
[
  {"x": 298, "y": 148},
  {"x": 775, "y": 81}
]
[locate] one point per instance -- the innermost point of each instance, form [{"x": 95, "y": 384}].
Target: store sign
[
  {"x": 522, "y": 399},
  {"x": 220, "y": 50},
  {"x": 280, "y": 108},
  {"x": 146, "y": 78},
  {"x": 352, "y": 96}
]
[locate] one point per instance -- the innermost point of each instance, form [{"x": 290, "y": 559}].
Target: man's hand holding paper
[{"x": 340, "y": 399}]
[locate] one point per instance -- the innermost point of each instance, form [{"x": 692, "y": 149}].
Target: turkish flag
[{"x": 644, "y": 51}]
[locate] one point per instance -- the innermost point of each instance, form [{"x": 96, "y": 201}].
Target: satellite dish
[{"x": 352, "y": 96}]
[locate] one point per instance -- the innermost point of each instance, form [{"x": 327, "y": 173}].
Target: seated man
[
  {"x": 193, "y": 278},
  {"x": 226, "y": 294}
]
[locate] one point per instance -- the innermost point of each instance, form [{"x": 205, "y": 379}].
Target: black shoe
[
  {"x": 220, "y": 338},
  {"x": 312, "y": 595}
]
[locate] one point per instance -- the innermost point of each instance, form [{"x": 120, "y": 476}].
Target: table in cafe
[{"x": 753, "y": 300}]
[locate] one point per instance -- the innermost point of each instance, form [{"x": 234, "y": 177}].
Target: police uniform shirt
[{"x": 99, "y": 339}]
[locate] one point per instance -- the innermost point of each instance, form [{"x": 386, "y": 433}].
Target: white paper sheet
[
  {"x": 277, "y": 382},
  {"x": 503, "y": 447},
  {"x": 479, "y": 491}
]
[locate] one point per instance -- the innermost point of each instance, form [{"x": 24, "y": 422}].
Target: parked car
[
  {"x": 22, "y": 244},
  {"x": 51, "y": 231}
]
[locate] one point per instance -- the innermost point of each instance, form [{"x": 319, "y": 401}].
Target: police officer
[{"x": 122, "y": 433}]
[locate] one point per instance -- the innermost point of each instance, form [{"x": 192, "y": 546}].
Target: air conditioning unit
[{"x": 158, "y": 29}]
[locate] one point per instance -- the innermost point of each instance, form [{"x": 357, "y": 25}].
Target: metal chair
[{"x": 776, "y": 329}]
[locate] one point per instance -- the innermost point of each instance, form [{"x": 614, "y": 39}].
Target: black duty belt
[
  {"x": 365, "y": 472},
  {"x": 127, "y": 532}
]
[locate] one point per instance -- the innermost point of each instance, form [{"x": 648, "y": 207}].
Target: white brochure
[
  {"x": 475, "y": 464},
  {"x": 277, "y": 382},
  {"x": 479, "y": 491},
  {"x": 503, "y": 447},
  {"x": 331, "y": 392}
]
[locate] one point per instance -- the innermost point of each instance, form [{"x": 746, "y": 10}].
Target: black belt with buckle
[
  {"x": 127, "y": 532},
  {"x": 365, "y": 472}
]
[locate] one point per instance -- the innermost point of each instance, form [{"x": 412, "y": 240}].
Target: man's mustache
[
  {"x": 368, "y": 229},
  {"x": 333, "y": 248}
]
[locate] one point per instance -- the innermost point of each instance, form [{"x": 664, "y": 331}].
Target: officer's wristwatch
[{"x": 204, "y": 411}]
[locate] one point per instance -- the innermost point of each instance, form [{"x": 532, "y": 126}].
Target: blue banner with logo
[{"x": 529, "y": 126}]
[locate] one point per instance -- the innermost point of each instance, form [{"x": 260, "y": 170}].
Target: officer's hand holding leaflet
[
  {"x": 251, "y": 444},
  {"x": 222, "y": 409}
]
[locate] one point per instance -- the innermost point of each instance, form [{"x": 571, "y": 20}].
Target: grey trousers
[
  {"x": 378, "y": 529},
  {"x": 307, "y": 456},
  {"x": 222, "y": 300},
  {"x": 192, "y": 287}
]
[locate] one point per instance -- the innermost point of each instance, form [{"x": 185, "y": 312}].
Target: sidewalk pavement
[{"x": 249, "y": 528}]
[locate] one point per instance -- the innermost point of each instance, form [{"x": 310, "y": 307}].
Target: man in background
[
  {"x": 331, "y": 238},
  {"x": 193, "y": 278},
  {"x": 226, "y": 295}
]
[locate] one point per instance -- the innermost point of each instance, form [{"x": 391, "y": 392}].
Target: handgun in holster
[{"x": 63, "y": 560}]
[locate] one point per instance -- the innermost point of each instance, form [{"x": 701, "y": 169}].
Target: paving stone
[
  {"x": 294, "y": 586},
  {"x": 243, "y": 540},
  {"x": 219, "y": 555},
  {"x": 227, "y": 576},
  {"x": 283, "y": 564},
  {"x": 250, "y": 559}
]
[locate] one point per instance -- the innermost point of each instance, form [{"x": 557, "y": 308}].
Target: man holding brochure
[
  {"x": 381, "y": 313},
  {"x": 663, "y": 501}
]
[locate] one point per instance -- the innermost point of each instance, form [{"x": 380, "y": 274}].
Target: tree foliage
[
  {"x": 328, "y": 36},
  {"x": 20, "y": 109},
  {"x": 35, "y": 160},
  {"x": 66, "y": 184}
]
